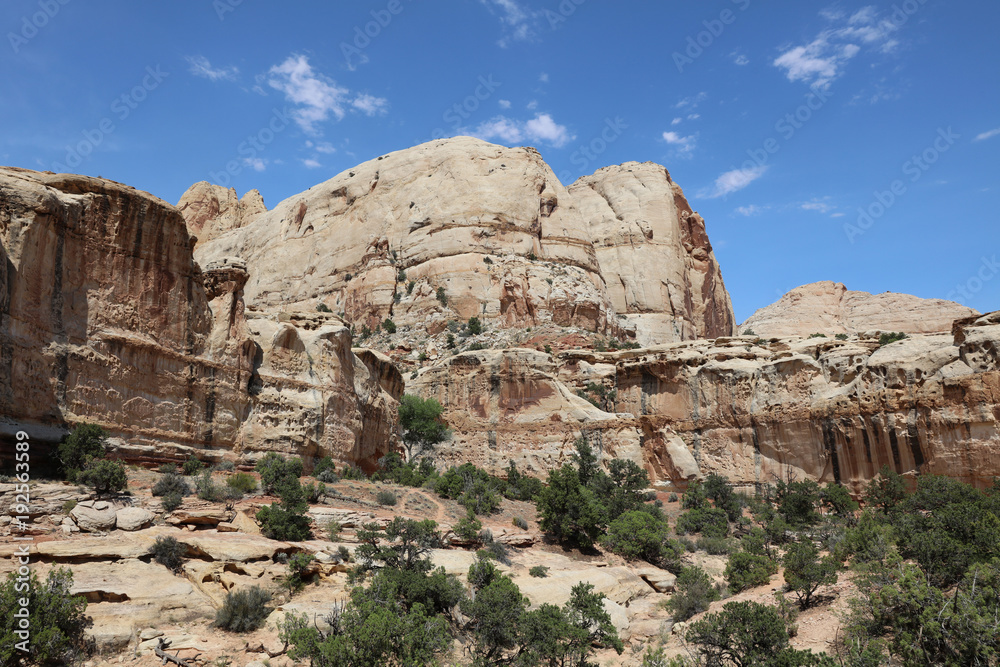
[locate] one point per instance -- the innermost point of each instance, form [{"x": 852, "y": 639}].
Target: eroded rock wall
[{"x": 106, "y": 318}]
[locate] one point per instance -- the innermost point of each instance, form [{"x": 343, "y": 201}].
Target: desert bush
[
  {"x": 745, "y": 570},
  {"x": 167, "y": 469},
  {"x": 639, "y": 535},
  {"x": 333, "y": 530},
  {"x": 104, "y": 476},
  {"x": 171, "y": 484},
  {"x": 243, "y": 482},
  {"x": 385, "y": 497},
  {"x": 468, "y": 527},
  {"x": 224, "y": 466},
  {"x": 715, "y": 546},
  {"x": 389, "y": 326},
  {"x": 168, "y": 552},
  {"x": 274, "y": 469},
  {"x": 244, "y": 610},
  {"x": 297, "y": 565},
  {"x": 710, "y": 522},
  {"x": 474, "y": 327},
  {"x": 85, "y": 443},
  {"x": 694, "y": 591},
  {"x": 520, "y": 523},
  {"x": 192, "y": 466},
  {"x": 171, "y": 501},
  {"x": 539, "y": 571},
  {"x": 890, "y": 337},
  {"x": 56, "y": 620},
  {"x": 805, "y": 571}
]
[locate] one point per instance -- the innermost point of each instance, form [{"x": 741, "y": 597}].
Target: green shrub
[
  {"x": 539, "y": 571},
  {"x": 214, "y": 493},
  {"x": 298, "y": 565},
  {"x": 401, "y": 276},
  {"x": 68, "y": 506},
  {"x": 192, "y": 466},
  {"x": 286, "y": 520},
  {"x": 344, "y": 553},
  {"x": 168, "y": 552},
  {"x": 171, "y": 484},
  {"x": 568, "y": 509},
  {"x": 85, "y": 443},
  {"x": 746, "y": 570},
  {"x": 473, "y": 487},
  {"x": 520, "y": 523},
  {"x": 805, "y": 571},
  {"x": 468, "y": 527},
  {"x": 167, "y": 469},
  {"x": 693, "y": 593},
  {"x": 325, "y": 470},
  {"x": 171, "y": 501},
  {"x": 715, "y": 546},
  {"x": 410, "y": 285},
  {"x": 333, "y": 530},
  {"x": 487, "y": 260},
  {"x": 385, "y": 497},
  {"x": 389, "y": 326},
  {"x": 798, "y": 502},
  {"x": 244, "y": 610},
  {"x": 548, "y": 349},
  {"x": 275, "y": 469},
  {"x": 475, "y": 327},
  {"x": 56, "y": 620},
  {"x": 323, "y": 308},
  {"x": 352, "y": 471},
  {"x": 422, "y": 425},
  {"x": 842, "y": 336},
  {"x": 639, "y": 535},
  {"x": 749, "y": 332},
  {"x": 710, "y": 522},
  {"x": 889, "y": 338},
  {"x": 104, "y": 476},
  {"x": 442, "y": 296},
  {"x": 243, "y": 482},
  {"x": 224, "y": 466}
]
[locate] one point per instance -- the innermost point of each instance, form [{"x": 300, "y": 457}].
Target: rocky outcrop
[
  {"x": 753, "y": 410},
  {"x": 830, "y": 308},
  {"x": 459, "y": 228},
  {"x": 106, "y": 318},
  {"x": 211, "y": 210}
]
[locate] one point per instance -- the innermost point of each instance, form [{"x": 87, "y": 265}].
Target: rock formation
[
  {"x": 105, "y": 317},
  {"x": 459, "y": 228},
  {"x": 752, "y": 409},
  {"x": 830, "y": 308},
  {"x": 210, "y": 210}
]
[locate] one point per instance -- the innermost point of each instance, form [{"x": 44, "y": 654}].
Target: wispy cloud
[
  {"x": 818, "y": 205},
  {"x": 311, "y": 163},
  {"x": 542, "y": 129},
  {"x": 750, "y": 211},
  {"x": 822, "y": 60},
  {"x": 200, "y": 66},
  {"x": 517, "y": 21},
  {"x": 318, "y": 97},
  {"x": 987, "y": 135},
  {"x": 734, "y": 181},
  {"x": 255, "y": 163},
  {"x": 692, "y": 101},
  {"x": 683, "y": 145},
  {"x": 741, "y": 59},
  {"x": 504, "y": 104}
]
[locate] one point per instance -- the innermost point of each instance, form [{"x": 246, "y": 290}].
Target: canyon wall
[
  {"x": 106, "y": 318},
  {"x": 458, "y": 228}
]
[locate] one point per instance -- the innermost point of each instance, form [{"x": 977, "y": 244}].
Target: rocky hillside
[
  {"x": 460, "y": 228},
  {"x": 106, "y": 318},
  {"x": 831, "y": 308},
  {"x": 755, "y": 410}
]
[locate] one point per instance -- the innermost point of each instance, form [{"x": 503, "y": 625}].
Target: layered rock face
[
  {"x": 460, "y": 228},
  {"x": 106, "y": 318},
  {"x": 830, "y": 308},
  {"x": 752, "y": 410},
  {"x": 211, "y": 210}
]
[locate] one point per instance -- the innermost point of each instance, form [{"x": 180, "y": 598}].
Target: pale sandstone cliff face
[
  {"x": 830, "y": 308},
  {"x": 210, "y": 210},
  {"x": 106, "y": 318},
  {"x": 619, "y": 252},
  {"x": 754, "y": 411}
]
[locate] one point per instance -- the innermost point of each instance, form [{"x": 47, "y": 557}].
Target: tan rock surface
[
  {"x": 211, "y": 210},
  {"x": 617, "y": 252},
  {"x": 105, "y": 317},
  {"x": 830, "y": 308}
]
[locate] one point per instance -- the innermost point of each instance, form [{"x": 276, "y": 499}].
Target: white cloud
[
  {"x": 694, "y": 116},
  {"x": 543, "y": 77},
  {"x": 736, "y": 180},
  {"x": 370, "y": 105},
  {"x": 822, "y": 60},
  {"x": 742, "y": 60},
  {"x": 692, "y": 101},
  {"x": 818, "y": 205},
  {"x": 532, "y": 105},
  {"x": 750, "y": 211},
  {"x": 504, "y": 104},
  {"x": 540, "y": 129},
  {"x": 317, "y": 96},
  {"x": 988, "y": 135},
  {"x": 200, "y": 66},
  {"x": 312, "y": 163},
  {"x": 256, "y": 163},
  {"x": 677, "y": 121},
  {"x": 684, "y": 145},
  {"x": 517, "y": 21}
]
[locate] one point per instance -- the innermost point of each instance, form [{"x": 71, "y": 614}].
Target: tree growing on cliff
[
  {"x": 55, "y": 623},
  {"x": 86, "y": 443},
  {"x": 422, "y": 426}
]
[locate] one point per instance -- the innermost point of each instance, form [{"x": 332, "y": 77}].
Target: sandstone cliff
[
  {"x": 830, "y": 308},
  {"x": 459, "y": 228},
  {"x": 211, "y": 210},
  {"x": 105, "y": 317},
  {"x": 754, "y": 410}
]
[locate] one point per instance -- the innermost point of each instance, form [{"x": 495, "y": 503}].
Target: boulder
[
  {"x": 133, "y": 518},
  {"x": 94, "y": 516}
]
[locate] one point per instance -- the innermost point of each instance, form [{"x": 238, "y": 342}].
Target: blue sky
[{"x": 848, "y": 141}]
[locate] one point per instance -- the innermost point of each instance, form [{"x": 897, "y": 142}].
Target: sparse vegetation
[
  {"x": 888, "y": 338},
  {"x": 323, "y": 308},
  {"x": 192, "y": 466},
  {"x": 87, "y": 442},
  {"x": 243, "y": 610},
  {"x": 539, "y": 571},
  {"x": 386, "y": 498},
  {"x": 442, "y": 296},
  {"x": 171, "y": 484},
  {"x": 842, "y": 336},
  {"x": 104, "y": 476},
  {"x": 54, "y": 630},
  {"x": 389, "y": 326},
  {"x": 169, "y": 553},
  {"x": 474, "y": 326}
]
